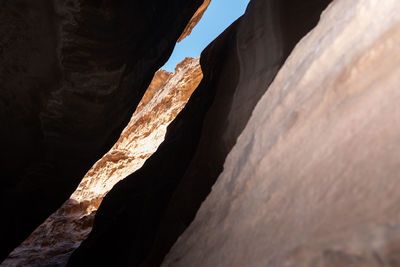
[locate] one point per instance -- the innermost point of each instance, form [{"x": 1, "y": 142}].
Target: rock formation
[
  {"x": 158, "y": 202},
  {"x": 286, "y": 154},
  {"x": 313, "y": 179},
  {"x": 195, "y": 19},
  {"x": 53, "y": 241},
  {"x": 72, "y": 73}
]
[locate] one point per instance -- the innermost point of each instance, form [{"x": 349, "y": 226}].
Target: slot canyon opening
[
  {"x": 134, "y": 203},
  {"x": 147, "y": 212},
  {"x": 286, "y": 153},
  {"x": 170, "y": 89},
  {"x": 65, "y": 229},
  {"x": 218, "y": 16}
]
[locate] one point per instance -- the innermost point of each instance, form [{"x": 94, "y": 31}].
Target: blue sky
[{"x": 218, "y": 16}]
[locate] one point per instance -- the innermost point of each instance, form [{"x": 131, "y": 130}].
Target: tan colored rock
[
  {"x": 159, "y": 80},
  {"x": 195, "y": 19},
  {"x": 54, "y": 240},
  {"x": 313, "y": 179},
  {"x": 145, "y": 131},
  {"x": 143, "y": 215}
]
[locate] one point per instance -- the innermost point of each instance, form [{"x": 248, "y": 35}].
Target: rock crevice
[
  {"x": 238, "y": 67},
  {"x": 286, "y": 154},
  {"x": 54, "y": 240},
  {"x": 72, "y": 74}
]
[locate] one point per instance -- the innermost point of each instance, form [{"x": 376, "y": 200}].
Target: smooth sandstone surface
[
  {"x": 313, "y": 179},
  {"x": 262, "y": 40},
  {"x": 53, "y": 242}
]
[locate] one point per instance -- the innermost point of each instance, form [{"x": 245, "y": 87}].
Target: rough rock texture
[
  {"x": 195, "y": 19},
  {"x": 72, "y": 72},
  {"x": 53, "y": 241},
  {"x": 134, "y": 206},
  {"x": 313, "y": 179},
  {"x": 144, "y": 214}
]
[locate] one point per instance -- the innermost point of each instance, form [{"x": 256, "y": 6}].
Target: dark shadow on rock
[
  {"x": 71, "y": 78},
  {"x": 143, "y": 215}
]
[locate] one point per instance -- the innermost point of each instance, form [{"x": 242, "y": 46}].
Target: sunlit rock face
[
  {"x": 164, "y": 99},
  {"x": 72, "y": 73},
  {"x": 304, "y": 149},
  {"x": 195, "y": 19},
  {"x": 53, "y": 241},
  {"x": 158, "y": 202},
  {"x": 314, "y": 178}
]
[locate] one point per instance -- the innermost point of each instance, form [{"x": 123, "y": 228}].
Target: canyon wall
[
  {"x": 55, "y": 239},
  {"x": 140, "y": 199},
  {"x": 313, "y": 179},
  {"x": 144, "y": 214},
  {"x": 286, "y": 154},
  {"x": 72, "y": 72}
]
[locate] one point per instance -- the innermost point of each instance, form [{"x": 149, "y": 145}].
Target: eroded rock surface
[
  {"x": 72, "y": 73},
  {"x": 313, "y": 179},
  {"x": 53, "y": 241},
  {"x": 158, "y": 202},
  {"x": 307, "y": 161},
  {"x": 141, "y": 198},
  {"x": 195, "y": 19}
]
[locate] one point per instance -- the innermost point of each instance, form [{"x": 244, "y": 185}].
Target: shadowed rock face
[
  {"x": 55, "y": 239},
  {"x": 306, "y": 160},
  {"x": 144, "y": 214},
  {"x": 142, "y": 197},
  {"x": 313, "y": 179},
  {"x": 72, "y": 72},
  {"x": 257, "y": 55}
]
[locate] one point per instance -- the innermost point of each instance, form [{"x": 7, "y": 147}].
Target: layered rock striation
[
  {"x": 72, "y": 73},
  {"x": 53, "y": 241}
]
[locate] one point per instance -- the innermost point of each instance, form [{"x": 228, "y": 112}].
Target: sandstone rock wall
[
  {"x": 313, "y": 179},
  {"x": 72, "y": 72},
  {"x": 304, "y": 148},
  {"x": 264, "y": 37},
  {"x": 158, "y": 202},
  {"x": 53, "y": 241},
  {"x": 141, "y": 198}
]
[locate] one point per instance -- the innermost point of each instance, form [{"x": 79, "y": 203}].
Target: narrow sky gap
[{"x": 218, "y": 16}]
